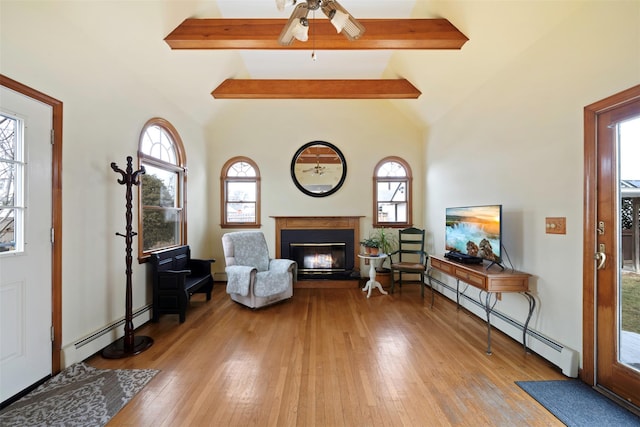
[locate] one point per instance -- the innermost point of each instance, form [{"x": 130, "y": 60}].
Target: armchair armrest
[
  {"x": 240, "y": 278},
  {"x": 281, "y": 265}
]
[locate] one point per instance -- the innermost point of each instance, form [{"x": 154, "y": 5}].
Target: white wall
[
  {"x": 270, "y": 133},
  {"x": 105, "y": 107},
  {"x": 518, "y": 141}
]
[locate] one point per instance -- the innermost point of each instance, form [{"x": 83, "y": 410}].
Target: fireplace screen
[{"x": 318, "y": 257}]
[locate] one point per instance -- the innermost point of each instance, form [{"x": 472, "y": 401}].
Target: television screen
[{"x": 475, "y": 230}]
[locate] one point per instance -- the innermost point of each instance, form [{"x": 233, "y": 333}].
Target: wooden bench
[{"x": 175, "y": 278}]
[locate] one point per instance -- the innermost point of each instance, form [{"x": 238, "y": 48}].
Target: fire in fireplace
[
  {"x": 318, "y": 258},
  {"x": 320, "y": 253}
]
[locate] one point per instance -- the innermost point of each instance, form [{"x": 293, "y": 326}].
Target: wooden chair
[{"x": 410, "y": 258}]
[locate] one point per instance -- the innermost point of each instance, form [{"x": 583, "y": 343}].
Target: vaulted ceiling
[{"x": 498, "y": 31}]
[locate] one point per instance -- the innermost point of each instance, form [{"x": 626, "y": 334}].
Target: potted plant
[
  {"x": 388, "y": 242},
  {"x": 386, "y": 238},
  {"x": 371, "y": 245}
]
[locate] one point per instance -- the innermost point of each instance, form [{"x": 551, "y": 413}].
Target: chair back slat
[{"x": 411, "y": 245}]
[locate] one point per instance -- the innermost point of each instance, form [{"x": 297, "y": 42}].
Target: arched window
[
  {"x": 162, "y": 191},
  {"x": 240, "y": 193},
  {"x": 392, "y": 193}
]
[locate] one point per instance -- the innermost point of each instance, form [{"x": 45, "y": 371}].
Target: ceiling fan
[
  {"x": 298, "y": 25},
  {"x": 317, "y": 169}
]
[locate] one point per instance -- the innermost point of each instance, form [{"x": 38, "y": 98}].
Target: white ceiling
[
  {"x": 328, "y": 64},
  {"x": 498, "y": 31}
]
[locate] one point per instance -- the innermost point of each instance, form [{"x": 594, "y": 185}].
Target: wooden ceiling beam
[
  {"x": 263, "y": 34},
  {"x": 316, "y": 89}
]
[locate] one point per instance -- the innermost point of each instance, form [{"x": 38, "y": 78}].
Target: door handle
[{"x": 601, "y": 257}]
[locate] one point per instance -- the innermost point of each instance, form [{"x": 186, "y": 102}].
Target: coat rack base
[{"x": 117, "y": 350}]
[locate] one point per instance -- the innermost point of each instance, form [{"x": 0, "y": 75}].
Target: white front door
[{"x": 25, "y": 242}]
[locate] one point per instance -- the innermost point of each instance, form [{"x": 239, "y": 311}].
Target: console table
[{"x": 491, "y": 283}]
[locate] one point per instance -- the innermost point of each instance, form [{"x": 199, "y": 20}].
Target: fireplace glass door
[{"x": 318, "y": 258}]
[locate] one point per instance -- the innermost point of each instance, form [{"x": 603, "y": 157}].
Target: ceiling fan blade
[{"x": 293, "y": 24}]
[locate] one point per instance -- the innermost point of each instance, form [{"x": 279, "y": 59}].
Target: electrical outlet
[{"x": 556, "y": 225}]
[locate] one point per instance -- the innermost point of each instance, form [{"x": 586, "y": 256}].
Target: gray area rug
[
  {"x": 577, "y": 404},
  {"x": 78, "y": 396}
]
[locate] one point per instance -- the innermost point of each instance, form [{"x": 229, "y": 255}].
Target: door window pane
[
  {"x": 7, "y": 230},
  {"x": 629, "y": 289},
  {"x": 11, "y": 184}
]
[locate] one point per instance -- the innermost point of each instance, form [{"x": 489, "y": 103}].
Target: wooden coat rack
[{"x": 129, "y": 344}]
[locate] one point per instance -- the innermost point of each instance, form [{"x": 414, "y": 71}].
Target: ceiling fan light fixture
[
  {"x": 341, "y": 19},
  {"x": 294, "y": 24},
  {"x": 301, "y": 30},
  {"x": 353, "y": 29}
]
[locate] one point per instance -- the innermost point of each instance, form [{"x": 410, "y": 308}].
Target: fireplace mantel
[{"x": 317, "y": 223}]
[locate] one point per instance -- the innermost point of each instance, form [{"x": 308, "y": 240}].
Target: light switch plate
[{"x": 556, "y": 225}]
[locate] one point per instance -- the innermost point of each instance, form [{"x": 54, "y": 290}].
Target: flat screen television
[{"x": 476, "y": 231}]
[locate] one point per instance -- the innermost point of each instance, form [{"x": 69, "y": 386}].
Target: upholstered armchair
[{"x": 254, "y": 279}]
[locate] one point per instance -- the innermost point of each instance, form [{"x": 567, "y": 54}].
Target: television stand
[
  {"x": 491, "y": 284},
  {"x": 496, "y": 263}
]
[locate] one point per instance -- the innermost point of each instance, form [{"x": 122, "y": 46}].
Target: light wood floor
[{"x": 332, "y": 357}]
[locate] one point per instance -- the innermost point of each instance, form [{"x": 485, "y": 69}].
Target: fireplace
[
  {"x": 325, "y": 248},
  {"x": 320, "y": 254}
]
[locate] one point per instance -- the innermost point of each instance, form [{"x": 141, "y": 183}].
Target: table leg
[
  {"x": 532, "y": 306},
  {"x": 372, "y": 283},
  {"x": 488, "y": 307}
]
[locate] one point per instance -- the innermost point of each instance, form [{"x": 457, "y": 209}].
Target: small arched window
[
  {"x": 162, "y": 191},
  {"x": 240, "y": 193},
  {"x": 392, "y": 193}
]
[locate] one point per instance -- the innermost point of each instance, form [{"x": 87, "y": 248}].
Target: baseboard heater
[
  {"x": 110, "y": 327},
  {"x": 565, "y": 358},
  {"x": 91, "y": 344}
]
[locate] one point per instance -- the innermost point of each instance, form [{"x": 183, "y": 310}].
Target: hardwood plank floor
[{"x": 332, "y": 357}]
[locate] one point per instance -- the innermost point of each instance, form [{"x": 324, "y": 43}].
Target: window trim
[
  {"x": 224, "y": 178},
  {"x": 408, "y": 179},
  {"x": 180, "y": 168}
]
